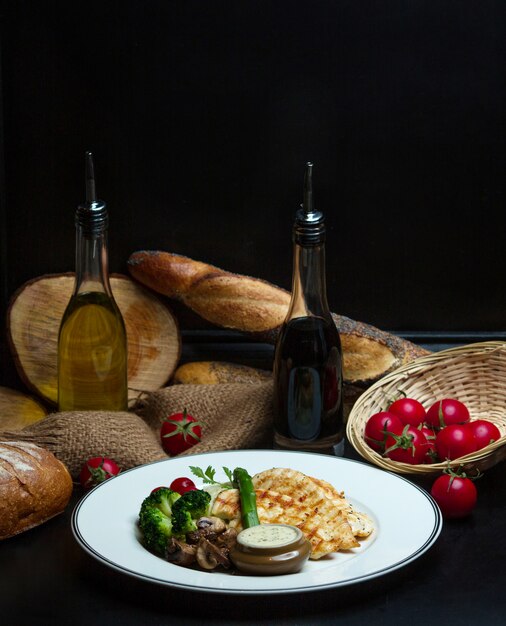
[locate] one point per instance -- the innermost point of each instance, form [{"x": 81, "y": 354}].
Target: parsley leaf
[
  {"x": 208, "y": 476},
  {"x": 229, "y": 473}
]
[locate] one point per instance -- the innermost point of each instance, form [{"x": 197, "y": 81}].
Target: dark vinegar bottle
[{"x": 308, "y": 400}]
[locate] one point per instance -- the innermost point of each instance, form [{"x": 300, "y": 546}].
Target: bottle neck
[
  {"x": 92, "y": 271},
  {"x": 309, "y": 293}
]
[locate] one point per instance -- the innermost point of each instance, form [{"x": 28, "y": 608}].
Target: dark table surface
[{"x": 46, "y": 578}]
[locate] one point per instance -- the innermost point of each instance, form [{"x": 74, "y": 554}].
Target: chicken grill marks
[{"x": 209, "y": 546}]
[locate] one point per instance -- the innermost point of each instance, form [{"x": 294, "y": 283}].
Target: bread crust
[
  {"x": 222, "y": 298},
  {"x": 34, "y": 487},
  {"x": 216, "y": 372}
]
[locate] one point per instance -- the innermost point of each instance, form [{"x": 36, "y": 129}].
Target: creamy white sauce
[{"x": 268, "y": 535}]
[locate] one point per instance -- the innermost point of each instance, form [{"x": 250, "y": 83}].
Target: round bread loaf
[{"x": 34, "y": 486}]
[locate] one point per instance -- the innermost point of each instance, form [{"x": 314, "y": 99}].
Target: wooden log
[
  {"x": 259, "y": 308},
  {"x": 33, "y": 322},
  {"x": 18, "y": 410}
]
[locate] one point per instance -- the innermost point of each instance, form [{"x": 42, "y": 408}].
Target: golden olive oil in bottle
[{"x": 92, "y": 346}]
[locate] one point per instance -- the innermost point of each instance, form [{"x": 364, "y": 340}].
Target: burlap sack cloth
[{"x": 233, "y": 415}]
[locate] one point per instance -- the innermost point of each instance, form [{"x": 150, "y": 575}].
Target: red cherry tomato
[
  {"x": 428, "y": 432},
  {"x": 455, "y": 441},
  {"x": 158, "y": 488},
  {"x": 484, "y": 433},
  {"x": 96, "y": 470},
  {"x": 378, "y": 426},
  {"x": 180, "y": 432},
  {"x": 455, "y": 495},
  {"x": 446, "y": 412},
  {"x": 409, "y": 447},
  {"x": 409, "y": 411},
  {"x": 182, "y": 485},
  {"x": 430, "y": 435}
]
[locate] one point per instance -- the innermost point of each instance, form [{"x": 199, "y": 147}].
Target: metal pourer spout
[
  {"x": 307, "y": 204},
  {"x": 92, "y": 214},
  {"x": 91, "y": 194},
  {"x": 309, "y": 214},
  {"x": 309, "y": 228}
]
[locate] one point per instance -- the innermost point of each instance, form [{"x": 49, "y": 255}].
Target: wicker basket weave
[{"x": 474, "y": 374}]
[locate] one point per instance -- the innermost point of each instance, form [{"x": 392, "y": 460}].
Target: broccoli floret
[
  {"x": 182, "y": 523},
  {"x": 164, "y": 499},
  {"x": 156, "y": 530},
  {"x": 190, "y": 506},
  {"x": 155, "y": 519}
]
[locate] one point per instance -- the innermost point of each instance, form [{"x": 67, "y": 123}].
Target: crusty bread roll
[
  {"x": 216, "y": 372},
  {"x": 34, "y": 486},
  {"x": 254, "y": 306}
]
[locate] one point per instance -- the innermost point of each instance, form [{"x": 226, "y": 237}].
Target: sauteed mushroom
[
  {"x": 211, "y": 523},
  {"x": 210, "y": 556},
  {"x": 208, "y": 527},
  {"x": 181, "y": 553},
  {"x": 227, "y": 539}
]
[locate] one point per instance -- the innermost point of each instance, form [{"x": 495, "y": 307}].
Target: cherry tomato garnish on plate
[{"x": 182, "y": 485}]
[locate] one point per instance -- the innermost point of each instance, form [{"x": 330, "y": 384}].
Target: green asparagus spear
[{"x": 248, "y": 498}]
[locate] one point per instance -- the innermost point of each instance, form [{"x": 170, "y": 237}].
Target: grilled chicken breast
[
  {"x": 288, "y": 481},
  {"x": 325, "y": 526},
  {"x": 361, "y": 524}
]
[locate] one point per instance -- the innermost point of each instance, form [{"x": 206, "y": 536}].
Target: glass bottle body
[
  {"x": 308, "y": 403},
  {"x": 92, "y": 346}
]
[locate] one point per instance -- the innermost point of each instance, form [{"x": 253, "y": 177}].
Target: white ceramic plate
[{"x": 407, "y": 523}]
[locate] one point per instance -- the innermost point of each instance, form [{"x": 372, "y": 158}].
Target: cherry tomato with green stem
[
  {"x": 447, "y": 412},
  {"x": 484, "y": 433},
  {"x": 409, "y": 411},
  {"x": 179, "y": 432},
  {"x": 377, "y": 428},
  {"x": 430, "y": 435},
  {"x": 455, "y": 494},
  {"x": 455, "y": 441},
  {"x": 408, "y": 447},
  {"x": 96, "y": 470}
]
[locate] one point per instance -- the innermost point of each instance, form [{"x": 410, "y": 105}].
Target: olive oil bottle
[
  {"x": 308, "y": 400},
  {"x": 92, "y": 346}
]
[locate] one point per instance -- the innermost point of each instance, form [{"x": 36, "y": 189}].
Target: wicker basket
[{"x": 474, "y": 374}]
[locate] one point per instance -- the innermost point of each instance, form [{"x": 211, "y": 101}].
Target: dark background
[{"x": 202, "y": 114}]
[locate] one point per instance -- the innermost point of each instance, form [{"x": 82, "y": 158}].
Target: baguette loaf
[
  {"x": 34, "y": 486},
  {"x": 254, "y": 306}
]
